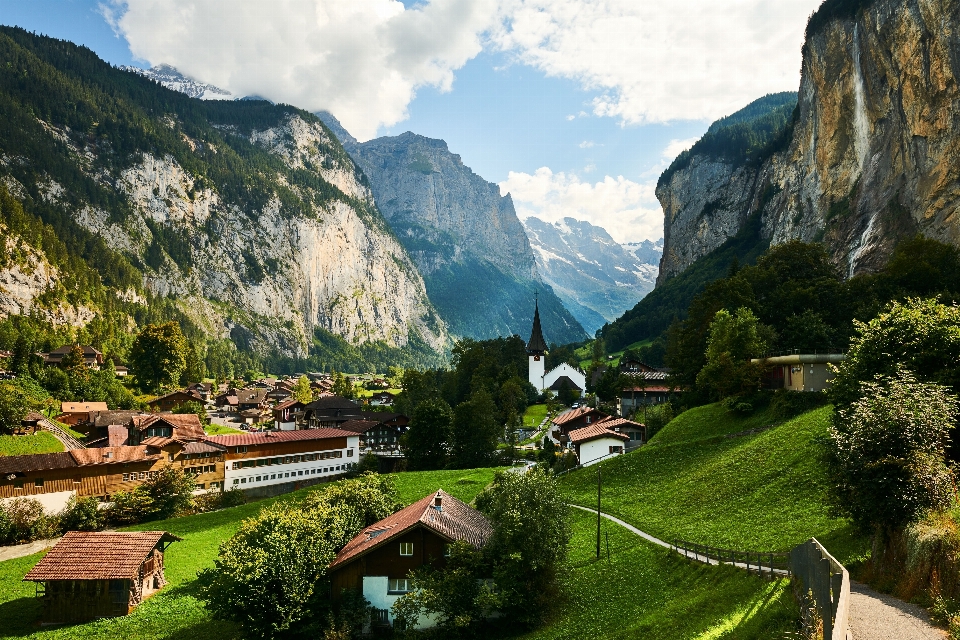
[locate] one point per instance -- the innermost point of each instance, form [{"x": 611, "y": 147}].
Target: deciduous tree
[
  {"x": 429, "y": 435},
  {"x": 158, "y": 356}
]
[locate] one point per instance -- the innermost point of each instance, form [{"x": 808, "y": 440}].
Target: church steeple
[{"x": 537, "y": 345}]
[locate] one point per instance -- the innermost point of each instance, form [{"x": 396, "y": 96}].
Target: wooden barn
[{"x": 89, "y": 575}]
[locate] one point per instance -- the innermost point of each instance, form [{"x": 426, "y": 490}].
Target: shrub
[
  {"x": 886, "y": 453},
  {"x": 658, "y": 416},
  {"x": 171, "y": 491},
  {"x": 131, "y": 507},
  {"x": 82, "y": 514},
  {"x": 27, "y": 521},
  {"x": 232, "y": 498}
]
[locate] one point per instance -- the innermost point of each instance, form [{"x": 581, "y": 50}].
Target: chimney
[{"x": 438, "y": 501}]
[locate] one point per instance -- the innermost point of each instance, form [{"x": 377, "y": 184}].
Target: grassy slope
[
  {"x": 214, "y": 429},
  {"x": 41, "y": 442},
  {"x": 534, "y": 415},
  {"x": 762, "y": 492},
  {"x": 646, "y": 592},
  {"x": 176, "y": 612}
]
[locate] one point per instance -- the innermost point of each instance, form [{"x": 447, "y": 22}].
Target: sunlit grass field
[{"x": 40, "y": 442}]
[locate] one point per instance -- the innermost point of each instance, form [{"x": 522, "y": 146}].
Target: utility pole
[{"x": 598, "y": 511}]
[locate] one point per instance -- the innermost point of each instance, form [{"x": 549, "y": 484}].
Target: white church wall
[
  {"x": 536, "y": 372},
  {"x": 565, "y": 369}
]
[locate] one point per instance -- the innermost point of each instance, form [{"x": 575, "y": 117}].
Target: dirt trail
[{"x": 876, "y": 616}]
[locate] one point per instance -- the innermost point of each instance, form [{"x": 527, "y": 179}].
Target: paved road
[
  {"x": 876, "y": 616},
  {"x": 21, "y": 550},
  {"x": 873, "y": 616}
]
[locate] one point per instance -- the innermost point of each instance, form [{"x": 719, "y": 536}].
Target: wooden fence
[
  {"x": 69, "y": 442},
  {"x": 772, "y": 564},
  {"x": 828, "y": 584},
  {"x": 824, "y": 581}
]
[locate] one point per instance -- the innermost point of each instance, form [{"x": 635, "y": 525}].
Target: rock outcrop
[
  {"x": 466, "y": 239},
  {"x": 874, "y": 151}
]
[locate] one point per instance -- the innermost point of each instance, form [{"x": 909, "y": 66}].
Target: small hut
[{"x": 90, "y": 575}]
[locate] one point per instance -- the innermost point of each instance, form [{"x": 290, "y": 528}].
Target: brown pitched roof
[
  {"x": 203, "y": 447},
  {"x": 358, "y": 426},
  {"x": 454, "y": 521},
  {"x": 36, "y": 462},
  {"x": 83, "y": 555},
  {"x": 83, "y": 407},
  {"x": 593, "y": 432},
  {"x": 612, "y": 422},
  {"x": 186, "y": 426},
  {"x": 573, "y": 414},
  {"x": 286, "y": 403},
  {"x": 112, "y": 455},
  {"x": 107, "y": 418},
  {"x": 251, "y": 396},
  {"x": 269, "y": 437}
]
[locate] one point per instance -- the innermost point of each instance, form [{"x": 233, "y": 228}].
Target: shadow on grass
[{"x": 19, "y": 617}]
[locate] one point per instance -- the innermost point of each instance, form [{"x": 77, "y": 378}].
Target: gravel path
[
  {"x": 876, "y": 616},
  {"x": 21, "y": 550}
]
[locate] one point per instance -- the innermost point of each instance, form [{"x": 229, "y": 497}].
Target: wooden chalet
[
  {"x": 73, "y": 413},
  {"x": 329, "y": 413},
  {"x": 382, "y": 398},
  {"x": 636, "y": 431},
  {"x": 573, "y": 419},
  {"x": 285, "y": 414},
  {"x": 250, "y": 399},
  {"x": 379, "y": 560},
  {"x": 374, "y": 435},
  {"x": 89, "y": 575},
  {"x": 91, "y": 357},
  {"x": 173, "y": 400}
]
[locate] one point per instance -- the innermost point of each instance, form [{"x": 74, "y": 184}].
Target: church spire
[{"x": 537, "y": 345}]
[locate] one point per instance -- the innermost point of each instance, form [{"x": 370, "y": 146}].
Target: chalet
[
  {"x": 388, "y": 418},
  {"x": 97, "y": 424},
  {"x": 379, "y": 560},
  {"x": 329, "y": 412},
  {"x": 227, "y": 401},
  {"x": 634, "y": 430},
  {"x": 279, "y": 394},
  {"x": 73, "y": 413},
  {"x": 383, "y": 398},
  {"x": 89, "y": 575},
  {"x": 573, "y": 419},
  {"x": 173, "y": 400},
  {"x": 374, "y": 435},
  {"x": 184, "y": 427},
  {"x": 121, "y": 371},
  {"x": 202, "y": 389},
  {"x": 284, "y": 414},
  {"x": 248, "y": 399},
  {"x": 256, "y": 460},
  {"x": 254, "y": 416},
  {"x": 646, "y": 388},
  {"x": 91, "y": 357},
  {"x": 800, "y": 371},
  {"x": 595, "y": 443}
]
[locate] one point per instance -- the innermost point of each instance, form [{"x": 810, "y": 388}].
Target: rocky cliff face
[
  {"x": 465, "y": 238},
  {"x": 250, "y": 219},
  {"x": 595, "y": 277},
  {"x": 873, "y": 155}
]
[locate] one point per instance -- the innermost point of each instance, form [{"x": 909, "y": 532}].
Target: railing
[
  {"x": 827, "y": 582},
  {"x": 69, "y": 442},
  {"x": 772, "y": 564}
]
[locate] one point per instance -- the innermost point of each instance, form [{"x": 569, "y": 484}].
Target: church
[{"x": 555, "y": 379}]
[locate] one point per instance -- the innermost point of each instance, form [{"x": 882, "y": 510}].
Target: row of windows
[
  {"x": 267, "y": 477},
  {"x": 209, "y": 468},
  {"x": 142, "y": 475},
  {"x": 308, "y": 457}
]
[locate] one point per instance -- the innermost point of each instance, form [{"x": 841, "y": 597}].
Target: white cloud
[
  {"x": 628, "y": 210},
  {"x": 586, "y": 144},
  {"x": 363, "y": 60},
  {"x": 661, "y": 61},
  {"x": 676, "y": 147}
]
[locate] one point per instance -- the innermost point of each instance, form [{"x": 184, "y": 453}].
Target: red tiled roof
[
  {"x": 186, "y": 426},
  {"x": 84, "y": 555},
  {"x": 286, "y": 403},
  {"x": 612, "y": 422},
  {"x": 454, "y": 521},
  {"x": 648, "y": 389},
  {"x": 269, "y": 437},
  {"x": 112, "y": 455},
  {"x": 593, "y": 432},
  {"x": 573, "y": 414}
]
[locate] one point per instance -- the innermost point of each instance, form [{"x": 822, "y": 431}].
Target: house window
[
  {"x": 399, "y": 585},
  {"x": 446, "y": 551},
  {"x": 236, "y": 481},
  {"x": 243, "y": 481},
  {"x": 349, "y": 453},
  {"x": 616, "y": 449},
  {"x": 126, "y": 477},
  {"x": 241, "y": 450},
  {"x": 273, "y": 476},
  {"x": 258, "y": 479},
  {"x": 406, "y": 548},
  {"x": 38, "y": 482}
]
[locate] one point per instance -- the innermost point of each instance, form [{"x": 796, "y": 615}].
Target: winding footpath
[{"x": 873, "y": 616}]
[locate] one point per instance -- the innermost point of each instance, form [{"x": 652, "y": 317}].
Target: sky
[{"x": 574, "y": 107}]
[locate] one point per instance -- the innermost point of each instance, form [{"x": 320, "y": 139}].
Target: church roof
[{"x": 537, "y": 343}]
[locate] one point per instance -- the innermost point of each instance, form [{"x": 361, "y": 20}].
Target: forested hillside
[{"x": 244, "y": 221}]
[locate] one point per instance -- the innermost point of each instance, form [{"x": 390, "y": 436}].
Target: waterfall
[{"x": 861, "y": 125}]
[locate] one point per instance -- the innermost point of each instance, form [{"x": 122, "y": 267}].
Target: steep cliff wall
[
  {"x": 874, "y": 150},
  {"x": 465, "y": 238},
  {"x": 251, "y": 218}
]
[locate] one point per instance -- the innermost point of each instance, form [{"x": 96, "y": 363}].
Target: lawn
[
  {"x": 709, "y": 421},
  {"x": 763, "y": 492},
  {"x": 40, "y": 442},
  {"x": 644, "y": 591},
  {"x": 176, "y": 612},
  {"x": 214, "y": 429},
  {"x": 585, "y": 353},
  {"x": 534, "y": 415}
]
